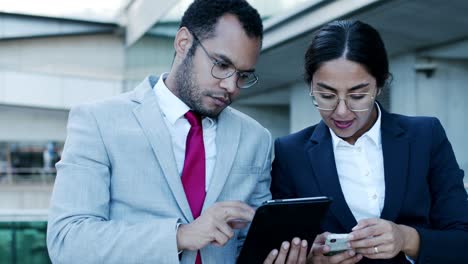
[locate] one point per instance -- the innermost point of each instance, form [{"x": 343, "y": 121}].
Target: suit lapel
[
  {"x": 227, "y": 143},
  {"x": 395, "y": 147},
  {"x": 322, "y": 159},
  {"x": 151, "y": 121}
]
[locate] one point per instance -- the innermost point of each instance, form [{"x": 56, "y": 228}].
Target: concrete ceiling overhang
[
  {"x": 20, "y": 26},
  {"x": 140, "y": 15},
  {"x": 405, "y": 26}
]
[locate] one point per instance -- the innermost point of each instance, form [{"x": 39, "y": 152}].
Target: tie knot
[{"x": 193, "y": 118}]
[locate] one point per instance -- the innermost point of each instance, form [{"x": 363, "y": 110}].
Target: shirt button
[
  {"x": 359, "y": 149},
  {"x": 374, "y": 196}
]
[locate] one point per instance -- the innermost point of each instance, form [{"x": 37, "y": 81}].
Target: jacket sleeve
[
  {"x": 261, "y": 192},
  {"x": 79, "y": 227},
  {"x": 447, "y": 241}
]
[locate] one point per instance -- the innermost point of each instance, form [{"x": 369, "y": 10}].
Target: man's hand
[
  {"x": 297, "y": 250},
  {"x": 319, "y": 249},
  {"x": 215, "y": 225}
]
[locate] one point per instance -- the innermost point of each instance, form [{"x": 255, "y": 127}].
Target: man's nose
[{"x": 230, "y": 83}]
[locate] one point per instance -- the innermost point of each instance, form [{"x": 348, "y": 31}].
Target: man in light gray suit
[{"x": 168, "y": 172}]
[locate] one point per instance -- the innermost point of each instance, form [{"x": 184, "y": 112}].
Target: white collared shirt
[
  {"x": 173, "y": 110},
  {"x": 361, "y": 172}
]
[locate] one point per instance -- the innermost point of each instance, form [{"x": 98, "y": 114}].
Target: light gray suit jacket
[{"x": 118, "y": 194}]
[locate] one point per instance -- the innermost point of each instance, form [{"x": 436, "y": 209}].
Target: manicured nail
[
  {"x": 304, "y": 243},
  {"x": 296, "y": 241},
  {"x": 275, "y": 252},
  {"x": 286, "y": 245}
]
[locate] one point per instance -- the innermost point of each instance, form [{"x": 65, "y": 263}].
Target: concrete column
[
  {"x": 444, "y": 95},
  {"x": 441, "y": 94},
  {"x": 403, "y": 88},
  {"x": 302, "y": 112}
]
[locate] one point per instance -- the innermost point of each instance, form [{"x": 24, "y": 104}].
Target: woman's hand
[
  {"x": 289, "y": 253},
  {"x": 381, "y": 239},
  {"x": 319, "y": 249}
]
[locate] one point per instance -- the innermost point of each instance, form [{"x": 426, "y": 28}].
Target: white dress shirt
[
  {"x": 361, "y": 172},
  {"x": 173, "y": 110}
]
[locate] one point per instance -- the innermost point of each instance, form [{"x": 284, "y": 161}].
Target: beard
[{"x": 189, "y": 91}]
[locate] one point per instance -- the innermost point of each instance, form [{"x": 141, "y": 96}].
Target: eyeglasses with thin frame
[
  {"x": 328, "y": 101},
  {"x": 223, "y": 70}
]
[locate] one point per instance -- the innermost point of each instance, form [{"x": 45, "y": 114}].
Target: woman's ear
[{"x": 183, "y": 42}]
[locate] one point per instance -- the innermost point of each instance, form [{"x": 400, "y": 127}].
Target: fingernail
[
  {"x": 296, "y": 241},
  {"x": 304, "y": 243},
  {"x": 351, "y": 253},
  {"x": 286, "y": 245},
  {"x": 275, "y": 252}
]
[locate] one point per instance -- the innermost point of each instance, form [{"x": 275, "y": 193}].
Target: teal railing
[{"x": 23, "y": 242}]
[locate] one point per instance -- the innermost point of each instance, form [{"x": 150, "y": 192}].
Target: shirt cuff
[{"x": 177, "y": 228}]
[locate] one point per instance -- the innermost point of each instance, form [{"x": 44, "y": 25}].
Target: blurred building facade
[{"x": 47, "y": 65}]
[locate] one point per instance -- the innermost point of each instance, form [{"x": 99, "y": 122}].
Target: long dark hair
[{"x": 352, "y": 40}]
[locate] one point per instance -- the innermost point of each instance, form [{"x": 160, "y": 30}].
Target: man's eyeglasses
[
  {"x": 356, "y": 102},
  {"x": 223, "y": 70}
]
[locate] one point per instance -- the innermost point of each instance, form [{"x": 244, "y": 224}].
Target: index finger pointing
[
  {"x": 238, "y": 204},
  {"x": 230, "y": 213}
]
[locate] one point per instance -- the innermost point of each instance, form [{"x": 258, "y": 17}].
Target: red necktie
[{"x": 193, "y": 174}]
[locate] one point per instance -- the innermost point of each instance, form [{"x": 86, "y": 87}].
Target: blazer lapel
[
  {"x": 227, "y": 143},
  {"x": 395, "y": 147},
  {"x": 322, "y": 159},
  {"x": 151, "y": 121}
]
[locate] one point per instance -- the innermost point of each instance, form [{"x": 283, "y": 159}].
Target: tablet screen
[{"x": 282, "y": 220}]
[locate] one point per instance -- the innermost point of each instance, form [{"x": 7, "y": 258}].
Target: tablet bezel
[{"x": 299, "y": 217}]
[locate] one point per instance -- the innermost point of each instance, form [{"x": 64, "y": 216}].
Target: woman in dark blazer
[{"x": 396, "y": 186}]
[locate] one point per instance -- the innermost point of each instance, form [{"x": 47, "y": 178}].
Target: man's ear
[{"x": 183, "y": 42}]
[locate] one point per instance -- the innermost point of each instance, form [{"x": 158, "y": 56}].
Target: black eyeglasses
[{"x": 223, "y": 70}]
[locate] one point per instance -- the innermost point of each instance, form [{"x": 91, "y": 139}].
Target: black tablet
[{"x": 282, "y": 220}]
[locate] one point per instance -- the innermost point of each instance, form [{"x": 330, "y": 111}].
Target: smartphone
[
  {"x": 337, "y": 242},
  {"x": 298, "y": 200}
]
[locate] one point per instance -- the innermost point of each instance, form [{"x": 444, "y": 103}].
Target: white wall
[
  {"x": 32, "y": 124},
  {"x": 149, "y": 55},
  {"x": 59, "y": 72},
  {"x": 25, "y": 197}
]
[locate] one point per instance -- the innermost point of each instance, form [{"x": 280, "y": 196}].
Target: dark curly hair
[
  {"x": 352, "y": 40},
  {"x": 202, "y": 16}
]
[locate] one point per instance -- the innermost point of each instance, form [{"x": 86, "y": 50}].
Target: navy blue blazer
[{"x": 423, "y": 183}]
